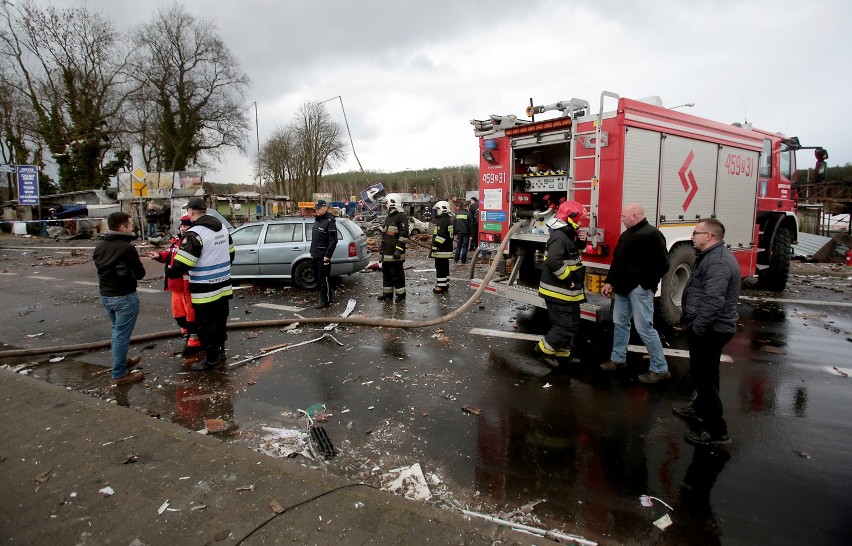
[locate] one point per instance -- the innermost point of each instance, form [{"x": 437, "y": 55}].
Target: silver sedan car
[{"x": 280, "y": 249}]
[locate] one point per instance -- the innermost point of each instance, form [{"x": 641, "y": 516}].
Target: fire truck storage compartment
[
  {"x": 541, "y": 170},
  {"x": 692, "y": 175}
]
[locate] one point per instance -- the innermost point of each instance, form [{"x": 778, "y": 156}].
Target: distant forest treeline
[{"x": 441, "y": 182}]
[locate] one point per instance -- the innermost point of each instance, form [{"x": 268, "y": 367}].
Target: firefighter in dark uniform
[
  {"x": 394, "y": 240},
  {"x": 562, "y": 279},
  {"x": 323, "y": 242},
  {"x": 442, "y": 246},
  {"x": 206, "y": 253}
]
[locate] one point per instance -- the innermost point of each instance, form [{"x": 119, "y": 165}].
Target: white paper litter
[
  {"x": 663, "y": 522},
  {"x": 57, "y": 359},
  {"x": 546, "y": 386},
  {"x": 163, "y": 507},
  {"x": 107, "y": 491},
  {"x": 410, "y": 482},
  {"x": 283, "y": 433}
]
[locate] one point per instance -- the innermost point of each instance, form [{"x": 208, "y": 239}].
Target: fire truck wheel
[
  {"x": 303, "y": 275},
  {"x": 775, "y": 276},
  {"x": 681, "y": 263}
]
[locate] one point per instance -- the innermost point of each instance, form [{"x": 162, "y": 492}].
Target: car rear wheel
[{"x": 303, "y": 275}]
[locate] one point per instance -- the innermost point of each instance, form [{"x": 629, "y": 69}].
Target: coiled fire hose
[{"x": 361, "y": 321}]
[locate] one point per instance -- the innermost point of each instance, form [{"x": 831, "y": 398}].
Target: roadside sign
[
  {"x": 28, "y": 185},
  {"x": 139, "y": 174},
  {"x": 306, "y": 204},
  {"x": 7, "y": 168}
]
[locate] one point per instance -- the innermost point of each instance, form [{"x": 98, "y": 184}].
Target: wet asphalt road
[{"x": 587, "y": 443}]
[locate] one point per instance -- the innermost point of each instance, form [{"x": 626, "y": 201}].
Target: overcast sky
[{"x": 413, "y": 73}]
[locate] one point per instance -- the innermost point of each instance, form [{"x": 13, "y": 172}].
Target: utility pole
[{"x": 259, "y": 183}]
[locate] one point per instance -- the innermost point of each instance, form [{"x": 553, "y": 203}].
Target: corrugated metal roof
[{"x": 809, "y": 245}]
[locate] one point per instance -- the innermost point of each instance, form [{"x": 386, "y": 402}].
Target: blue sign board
[
  {"x": 371, "y": 195},
  {"x": 494, "y": 216},
  {"x": 28, "y": 185}
]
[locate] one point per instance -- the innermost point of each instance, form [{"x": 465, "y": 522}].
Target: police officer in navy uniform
[
  {"x": 562, "y": 283},
  {"x": 323, "y": 242},
  {"x": 206, "y": 253}
]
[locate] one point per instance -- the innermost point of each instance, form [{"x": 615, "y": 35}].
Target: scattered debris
[
  {"x": 163, "y": 507},
  {"x": 246, "y": 488},
  {"x": 410, "y": 482},
  {"x": 222, "y": 535},
  {"x": 773, "y": 350},
  {"x": 275, "y": 507},
  {"x": 198, "y": 507},
  {"x": 647, "y": 501},
  {"x": 546, "y": 386},
  {"x": 44, "y": 476},
  {"x": 663, "y": 522},
  {"x": 116, "y": 441},
  {"x": 472, "y": 409},
  {"x": 839, "y": 372},
  {"x": 214, "y": 425},
  {"x": 350, "y": 306},
  {"x": 801, "y": 454},
  {"x": 57, "y": 359},
  {"x": 552, "y": 535},
  {"x": 35, "y": 335},
  {"x": 107, "y": 491},
  {"x": 132, "y": 458}
]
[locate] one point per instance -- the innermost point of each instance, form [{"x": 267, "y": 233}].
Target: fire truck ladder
[{"x": 601, "y": 140}]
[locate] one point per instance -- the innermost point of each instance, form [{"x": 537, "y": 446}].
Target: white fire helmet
[
  {"x": 394, "y": 202},
  {"x": 568, "y": 209},
  {"x": 441, "y": 207}
]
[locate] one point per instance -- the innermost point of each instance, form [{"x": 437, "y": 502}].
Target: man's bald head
[{"x": 632, "y": 214}]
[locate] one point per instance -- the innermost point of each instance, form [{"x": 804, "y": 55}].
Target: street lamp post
[{"x": 259, "y": 183}]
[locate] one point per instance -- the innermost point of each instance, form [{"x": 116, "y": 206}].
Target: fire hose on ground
[{"x": 359, "y": 321}]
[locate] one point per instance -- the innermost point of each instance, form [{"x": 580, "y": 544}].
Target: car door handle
[
  {"x": 252, "y": 251},
  {"x": 296, "y": 248}
]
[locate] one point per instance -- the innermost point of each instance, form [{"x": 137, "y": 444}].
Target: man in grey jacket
[{"x": 710, "y": 320}]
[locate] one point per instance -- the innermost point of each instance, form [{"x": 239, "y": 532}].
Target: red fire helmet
[{"x": 572, "y": 210}]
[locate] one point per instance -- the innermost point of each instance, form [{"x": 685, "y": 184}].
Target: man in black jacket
[
  {"x": 639, "y": 262},
  {"x": 461, "y": 230},
  {"x": 710, "y": 320},
  {"x": 119, "y": 267},
  {"x": 323, "y": 243}
]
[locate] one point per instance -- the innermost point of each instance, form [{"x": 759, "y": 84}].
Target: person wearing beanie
[{"x": 182, "y": 309}]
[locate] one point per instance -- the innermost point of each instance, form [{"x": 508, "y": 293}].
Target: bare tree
[
  {"x": 71, "y": 66},
  {"x": 281, "y": 163},
  {"x": 195, "y": 88},
  {"x": 320, "y": 140}
]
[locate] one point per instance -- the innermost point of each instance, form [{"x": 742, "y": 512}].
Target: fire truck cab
[{"x": 679, "y": 167}]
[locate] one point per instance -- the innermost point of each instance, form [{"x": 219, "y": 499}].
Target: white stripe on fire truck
[{"x": 693, "y": 130}]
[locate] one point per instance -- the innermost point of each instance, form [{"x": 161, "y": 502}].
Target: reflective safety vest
[{"x": 210, "y": 272}]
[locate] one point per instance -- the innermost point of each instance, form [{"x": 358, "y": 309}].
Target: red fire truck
[{"x": 679, "y": 167}]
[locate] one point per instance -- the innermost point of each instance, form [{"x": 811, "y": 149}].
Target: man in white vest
[{"x": 205, "y": 253}]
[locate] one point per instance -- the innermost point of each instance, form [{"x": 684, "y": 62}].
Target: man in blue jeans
[
  {"x": 639, "y": 262},
  {"x": 119, "y": 267}
]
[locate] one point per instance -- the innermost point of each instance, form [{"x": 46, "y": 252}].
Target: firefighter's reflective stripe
[
  {"x": 186, "y": 258},
  {"x": 560, "y": 293},
  {"x": 390, "y": 258},
  {"x": 439, "y": 239},
  {"x": 436, "y": 254},
  {"x": 392, "y": 230},
  {"x": 568, "y": 267}
]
